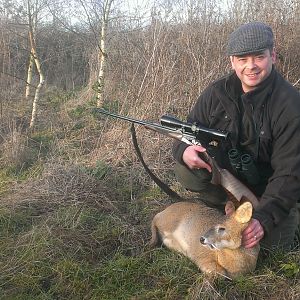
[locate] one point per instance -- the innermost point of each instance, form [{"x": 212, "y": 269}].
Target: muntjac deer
[{"x": 209, "y": 238}]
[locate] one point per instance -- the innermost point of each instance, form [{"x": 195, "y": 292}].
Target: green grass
[
  {"x": 5, "y": 180},
  {"x": 78, "y": 252},
  {"x": 154, "y": 275},
  {"x": 13, "y": 174},
  {"x": 55, "y": 98},
  {"x": 82, "y": 239},
  {"x": 51, "y": 259},
  {"x": 98, "y": 171}
]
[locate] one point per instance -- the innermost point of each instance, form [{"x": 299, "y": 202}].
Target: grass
[
  {"x": 58, "y": 256},
  {"x": 75, "y": 224},
  {"x": 92, "y": 250}
]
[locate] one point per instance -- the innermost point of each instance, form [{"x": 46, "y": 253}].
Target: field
[{"x": 72, "y": 229}]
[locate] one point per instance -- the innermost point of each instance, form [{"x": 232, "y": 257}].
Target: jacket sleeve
[{"x": 283, "y": 189}]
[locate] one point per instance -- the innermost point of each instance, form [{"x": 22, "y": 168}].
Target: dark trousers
[{"x": 282, "y": 237}]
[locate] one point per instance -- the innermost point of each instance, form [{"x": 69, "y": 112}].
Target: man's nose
[{"x": 251, "y": 64}]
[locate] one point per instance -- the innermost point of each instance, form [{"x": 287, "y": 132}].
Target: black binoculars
[{"x": 244, "y": 166}]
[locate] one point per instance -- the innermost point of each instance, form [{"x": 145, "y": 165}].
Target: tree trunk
[
  {"x": 37, "y": 93},
  {"x": 36, "y": 60},
  {"x": 102, "y": 53},
  {"x": 29, "y": 76}
]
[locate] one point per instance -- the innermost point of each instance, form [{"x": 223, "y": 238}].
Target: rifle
[{"x": 191, "y": 134}]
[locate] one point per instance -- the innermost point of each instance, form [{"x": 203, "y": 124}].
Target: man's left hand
[{"x": 252, "y": 234}]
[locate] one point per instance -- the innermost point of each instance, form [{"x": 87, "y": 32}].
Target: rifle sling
[{"x": 161, "y": 184}]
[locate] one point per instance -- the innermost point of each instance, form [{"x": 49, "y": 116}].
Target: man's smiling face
[{"x": 253, "y": 69}]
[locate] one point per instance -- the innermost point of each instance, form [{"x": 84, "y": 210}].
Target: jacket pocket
[
  {"x": 264, "y": 146},
  {"x": 219, "y": 120}
]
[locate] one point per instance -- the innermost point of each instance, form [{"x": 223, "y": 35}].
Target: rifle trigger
[{"x": 195, "y": 142}]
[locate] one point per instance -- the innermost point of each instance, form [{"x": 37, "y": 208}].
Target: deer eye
[{"x": 221, "y": 229}]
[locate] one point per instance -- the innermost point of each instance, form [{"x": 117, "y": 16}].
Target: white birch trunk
[
  {"x": 36, "y": 60},
  {"x": 102, "y": 53},
  {"x": 37, "y": 92},
  {"x": 29, "y": 77}
]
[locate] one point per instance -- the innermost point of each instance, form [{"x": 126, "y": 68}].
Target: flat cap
[{"x": 250, "y": 38}]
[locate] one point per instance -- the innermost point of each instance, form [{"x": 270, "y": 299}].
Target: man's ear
[
  {"x": 273, "y": 55},
  {"x": 231, "y": 60}
]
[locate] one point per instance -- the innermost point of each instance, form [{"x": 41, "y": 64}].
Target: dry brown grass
[
  {"x": 14, "y": 149},
  {"x": 64, "y": 185}
]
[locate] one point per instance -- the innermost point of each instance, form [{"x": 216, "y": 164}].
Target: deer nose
[{"x": 202, "y": 240}]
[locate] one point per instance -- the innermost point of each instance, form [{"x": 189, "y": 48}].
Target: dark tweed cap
[{"x": 250, "y": 38}]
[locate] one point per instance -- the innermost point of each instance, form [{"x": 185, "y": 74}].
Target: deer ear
[
  {"x": 244, "y": 213},
  {"x": 229, "y": 208}
]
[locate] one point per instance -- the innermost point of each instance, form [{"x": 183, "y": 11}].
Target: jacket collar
[{"x": 233, "y": 87}]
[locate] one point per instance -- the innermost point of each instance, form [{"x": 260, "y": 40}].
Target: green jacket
[{"x": 264, "y": 123}]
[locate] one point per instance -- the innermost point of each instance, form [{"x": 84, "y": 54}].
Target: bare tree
[
  {"x": 102, "y": 52},
  {"x": 32, "y": 10}
]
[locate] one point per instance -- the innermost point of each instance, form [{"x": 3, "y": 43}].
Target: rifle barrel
[
  {"x": 148, "y": 125},
  {"x": 105, "y": 112}
]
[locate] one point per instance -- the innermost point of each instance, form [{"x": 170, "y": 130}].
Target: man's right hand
[{"x": 192, "y": 160}]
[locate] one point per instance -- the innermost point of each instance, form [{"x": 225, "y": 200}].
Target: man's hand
[
  {"x": 252, "y": 234},
  {"x": 192, "y": 159}
]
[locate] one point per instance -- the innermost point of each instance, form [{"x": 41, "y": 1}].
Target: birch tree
[
  {"x": 29, "y": 76},
  {"x": 32, "y": 11},
  {"x": 102, "y": 52},
  {"x": 102, "y": 19}
]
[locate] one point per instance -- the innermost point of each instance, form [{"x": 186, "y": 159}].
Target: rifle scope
[{"x": 173, "y": 123}]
